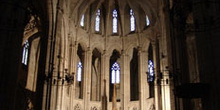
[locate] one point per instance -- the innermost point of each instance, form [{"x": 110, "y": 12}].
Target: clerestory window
[
  {"x": 97, "y": 21},
  {"x": 82, "y": 20},
  {"x": 132, "y": 20},
  {"x": 147, "y": 21},
  {"x": 115, "y": 21}
]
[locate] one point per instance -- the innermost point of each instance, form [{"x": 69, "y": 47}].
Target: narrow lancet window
[
  {"x": 25, "y": 53},
  {"x": 115, "y": 21},
  {"x": 147, "y": 21},
  {"x": 132, "y": 20},
  {"x": 79, "y": 72},
  {"x": 150, "y": 71},
  {"x": 97, "y": 21},
  {"x": 82, "y": 21},
  {"x": 115, "y": 73}
]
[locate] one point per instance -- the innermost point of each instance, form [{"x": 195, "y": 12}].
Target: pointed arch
[
  {"x": 114, "y": 71},
  {"x": 95, "y": 94},
  {"x": 80, "y": 73}
]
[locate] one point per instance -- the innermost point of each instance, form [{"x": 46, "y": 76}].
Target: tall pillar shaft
[
  {"x": 157, "y": 77},
  {"x": 73, "y": 70},
  {"x": 166, "y": 57},
  {"x": 144, "y": 87},
  {"x": 124, "y": 82},
  {"x": 103, "y": 82},
  {"x": 87, "y": 79}
]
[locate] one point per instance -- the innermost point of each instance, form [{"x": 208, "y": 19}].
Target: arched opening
[
  {"x": 150, "y": 72},
  {"x": 134, "y": 74},
  {"x": 80, "y": 73},
  {"x": 114, "y": 76},
  {"x": 96, "y": 76}
]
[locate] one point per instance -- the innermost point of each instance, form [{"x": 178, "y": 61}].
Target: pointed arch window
[
  {"x": 97, "y": 21},
  {"x": 79, "y": 72},
  {"x": 82, "y": 20},
  {"x": 115, "y": 21},
  {"x": 115, "y": 71},
  {"x": 147, "y": 21},
  {"x": 25, "y": 52},
  {"x": 150, "y": 71},
  {"x": 132, "y": 20}
]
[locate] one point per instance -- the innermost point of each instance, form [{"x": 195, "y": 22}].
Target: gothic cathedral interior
[{"x": 109, "y": 55}]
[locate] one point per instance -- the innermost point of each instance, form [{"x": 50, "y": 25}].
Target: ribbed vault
[{"x": 89, "y": 7}]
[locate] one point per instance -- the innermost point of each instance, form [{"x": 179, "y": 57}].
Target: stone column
[
  {"x": 60, "y": 82},
  {"x": 107, "y": 75},
  {"x": 165, "y": 89},
  {"x": 157, "y": 77},
  {"x": 124, "y": 83},
  {"x": 103, "y": 82},
  {"x": 144, "y": 87},
  {"x": 73, "y": 70},
  {"x": 87, "y": 78},
  {"x": 166, "y": 56},
  {"x": 12, "y": 22}
]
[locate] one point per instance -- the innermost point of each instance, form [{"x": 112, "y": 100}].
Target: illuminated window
[
  {"x": 25, "y": 53},
  {"x": 150, "y": 71},
  {"x": 115, "y": 21},
  {"x": 147, "y": 21},
  {"x": 79, "y": 72},
  {"x": 97, "y": 21},
  {"x": 132, "y": 20},
  {"x": 82, "y": 21},
  {"x": 115, "y": 73}
]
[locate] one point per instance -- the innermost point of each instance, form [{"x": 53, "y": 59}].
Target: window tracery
[
  {"x": 77, "y": 107},
  {"x": 115, "y": 73},
  {"x": 25, "y": 52},
  {"x": 94, "y": 108}
]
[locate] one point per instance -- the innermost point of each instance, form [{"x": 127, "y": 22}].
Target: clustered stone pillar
[
  {"x": 87, "y": 78},
  {"x": 157, "y": 77},
  {"x": 12, "y": 22},
  {"x": 103, "y": 82},
  {"x": 165, "y": 56},
  {"x": 124, "y": 81},
  {"x": 144, "y": 87}
]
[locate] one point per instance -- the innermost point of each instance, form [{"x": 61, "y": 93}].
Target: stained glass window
[
  {"x": 132, "y": 20},
  {"x": 97, "y": 21},
  {"x": 150, "y": 71},
  {"x": 147, "y": 21},
  {"x": 79, "y": 72},
  {"x": 115, "y": 21},
  {"x": 82, "y": 21},
  {"x": 115, "y": 73},
  {"x": 25, "y": 53}
]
